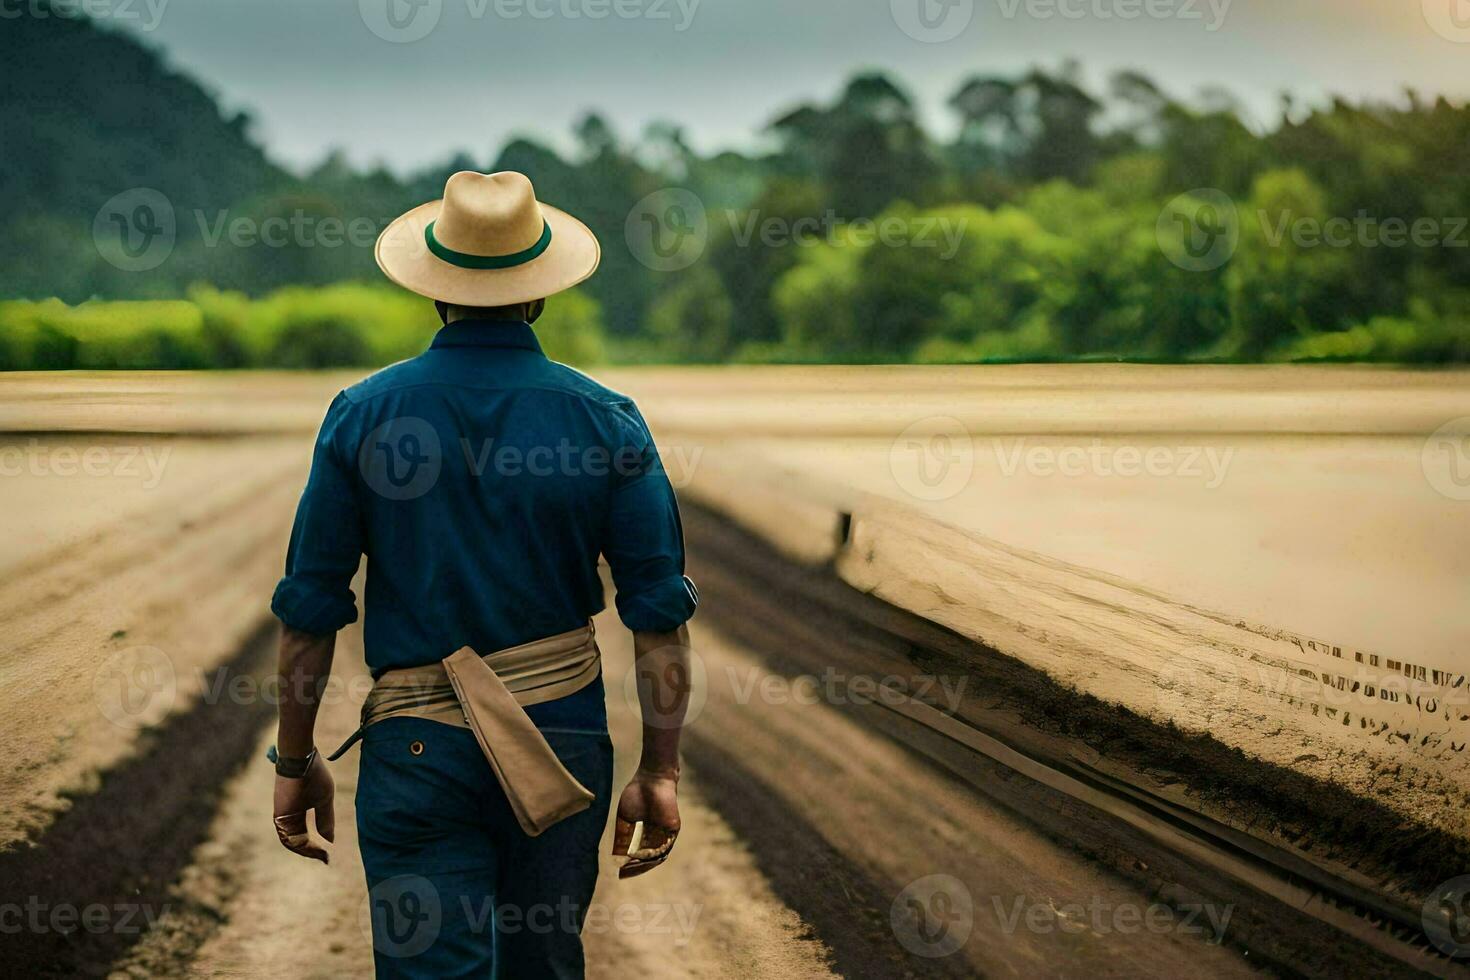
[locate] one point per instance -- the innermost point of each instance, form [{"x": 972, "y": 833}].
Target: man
[{"x": 482, "y": 481}]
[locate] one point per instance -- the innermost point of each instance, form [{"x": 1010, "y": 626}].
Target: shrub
[{"x": 347, "y": 325}]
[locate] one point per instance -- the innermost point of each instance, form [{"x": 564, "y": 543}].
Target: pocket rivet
[{"x": 416, "y": 747}]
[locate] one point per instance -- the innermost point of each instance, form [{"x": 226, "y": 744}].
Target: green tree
[{"x": 693, "y": 319}]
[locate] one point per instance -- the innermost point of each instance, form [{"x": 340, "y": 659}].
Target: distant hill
[{"x": 87, "y": 113}]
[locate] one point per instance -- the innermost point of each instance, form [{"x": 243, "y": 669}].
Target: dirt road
[
  {"x": 708, "y": 914},
  {"x": 146, "y": 524},
  {"x": 871, "y": 831}
]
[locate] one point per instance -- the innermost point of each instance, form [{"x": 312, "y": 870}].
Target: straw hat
[{"x": 489, "y": 242}]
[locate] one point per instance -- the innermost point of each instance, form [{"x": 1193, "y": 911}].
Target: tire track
[
  {"x": 804, "y": 621},
  {"x": 121, "y": 847},
  {"x": 177, "y": 588}
]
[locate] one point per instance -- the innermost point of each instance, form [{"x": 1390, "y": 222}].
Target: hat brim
[{"x": 404, "y": 256}]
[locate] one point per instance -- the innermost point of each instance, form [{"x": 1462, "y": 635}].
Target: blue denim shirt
[{"x": 482, "y": 480}]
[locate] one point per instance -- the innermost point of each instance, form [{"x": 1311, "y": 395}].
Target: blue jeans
[{"x": 456, "y": 888}]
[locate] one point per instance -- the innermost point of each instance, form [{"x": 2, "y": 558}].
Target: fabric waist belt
[{"x": 487, "y": 695}]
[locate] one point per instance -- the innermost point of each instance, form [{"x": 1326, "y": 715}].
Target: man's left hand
[{"x": 652, "y": 800}]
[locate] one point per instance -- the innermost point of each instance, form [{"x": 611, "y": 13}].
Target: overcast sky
[{"x": 320, "y": 73}]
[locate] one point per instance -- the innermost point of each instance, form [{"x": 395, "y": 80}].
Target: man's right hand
[
  {"x": 313, "y": 791},
  {"x": 651, "y": 799}
]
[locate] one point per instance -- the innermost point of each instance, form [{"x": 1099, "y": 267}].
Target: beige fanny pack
[{"x": 488, "y": 695}]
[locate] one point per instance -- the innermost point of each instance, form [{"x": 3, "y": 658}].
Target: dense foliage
[
  {"x": 347, "y": 325},
  {"x": 1057, "y": 223}
]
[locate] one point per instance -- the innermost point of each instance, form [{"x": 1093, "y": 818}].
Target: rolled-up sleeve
[
  {"x": 644, "y": 540},
  {"x": 315, "y": 596}
]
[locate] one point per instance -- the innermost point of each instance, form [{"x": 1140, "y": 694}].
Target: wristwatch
[{"x": 290, "y": 766}]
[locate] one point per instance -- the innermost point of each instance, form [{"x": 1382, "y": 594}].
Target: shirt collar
[{"x": 487, "y": 333}]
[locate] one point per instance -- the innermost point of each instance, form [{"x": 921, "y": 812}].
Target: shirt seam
[{"x": 616, "y": 406}]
